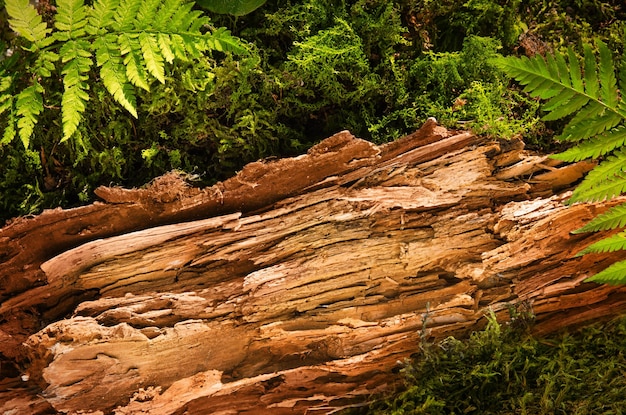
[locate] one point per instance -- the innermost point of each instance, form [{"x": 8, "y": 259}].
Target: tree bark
[{"x": 297, "y": 285}]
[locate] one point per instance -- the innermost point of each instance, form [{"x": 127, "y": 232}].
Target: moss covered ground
[{"x": 503, "y": 369}]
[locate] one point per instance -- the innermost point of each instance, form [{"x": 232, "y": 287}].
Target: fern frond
[
  {"x": 146, "y": 15},
  {"x": 76, "y": 56},
  {"x": 6, "y": 98},
  {"x": 574, "y": 70},
  {"x": 9, "y": 131},
  {"x": 29, "y": 105},
  {"x": 152, "y": 56},
  {"x": 611, "y": 219},
  {"x": 613, "y": 243},
  {"x": 164, "y": 45},
  {"x": 592, "y": 98},
  {"x": 131, "y": 40},
  {"x": 101, "y": 16},
  {"x": 164, "y": 14},
  {"x": 591, "y": 75},
  {"x": 593, "y": 148},
  {"x": 603, "y": 182},
  {"x": 125, "y": 14},
  {"x": 587, "y": 124},
  {"x": 223, "y": 41},
  {"x": 615, "y": 274},
  {"x": 70, "y": 20},
  {"x": 606, "y": 71},
  {"x": 24, "y": 19},
  {"x": 133, "y": 60},
  {"x": 113, "y": 73}
]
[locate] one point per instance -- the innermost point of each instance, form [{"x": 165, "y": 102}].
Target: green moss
[{"x": 501, "y": 370}]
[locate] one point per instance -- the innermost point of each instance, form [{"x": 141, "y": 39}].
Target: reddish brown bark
[{"x": 297, "y": 285}]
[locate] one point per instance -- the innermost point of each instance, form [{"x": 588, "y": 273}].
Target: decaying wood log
[{"x": 296, "y": 286}]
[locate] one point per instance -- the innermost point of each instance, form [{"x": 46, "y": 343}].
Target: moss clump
[{"x": 501, "y": 370}]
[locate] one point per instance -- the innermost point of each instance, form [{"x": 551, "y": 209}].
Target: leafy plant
[
  {"x": 590, "y": 99},
  {"x": 130, "y": 41},
  {"x": 234, "y": 7}
]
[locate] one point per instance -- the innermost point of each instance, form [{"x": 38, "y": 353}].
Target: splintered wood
[{"x": 295, "y": 287}]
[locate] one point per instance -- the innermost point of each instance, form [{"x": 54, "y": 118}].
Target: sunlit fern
[
  {"x": 130, "y": 41},
  {"x": 589, "y": 96}
]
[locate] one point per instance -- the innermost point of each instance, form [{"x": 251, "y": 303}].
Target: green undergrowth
[
  {"x": 312, "y": 68},
  {"x": 505, "y": 370}
]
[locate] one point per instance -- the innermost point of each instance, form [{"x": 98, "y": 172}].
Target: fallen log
[{"x": 296, "y": 286}]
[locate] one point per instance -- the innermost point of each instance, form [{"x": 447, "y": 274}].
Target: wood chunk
[{"x": 294, "y": 287}]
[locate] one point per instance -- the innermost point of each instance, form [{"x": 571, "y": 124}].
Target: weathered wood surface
[{"x": 295, "y": 286}]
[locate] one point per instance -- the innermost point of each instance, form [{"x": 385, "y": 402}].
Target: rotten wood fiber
[{"x": 296, "y": 286}]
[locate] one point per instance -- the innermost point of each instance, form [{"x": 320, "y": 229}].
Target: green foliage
[
  {"x": 400, "y": 63},
  {"x": 130, "y": 40},
  {"x": 589, "y": 98},
  {"x": 234, "y": 7},
  {"x": 502, "y": 370}
]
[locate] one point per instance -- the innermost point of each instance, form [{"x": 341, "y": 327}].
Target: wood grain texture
[{"x": 296, "y": 286}]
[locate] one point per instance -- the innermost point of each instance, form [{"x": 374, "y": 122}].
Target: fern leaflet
[
  {"x": 77, "y": 58},
  {"x": 613, "y": 243},
  {"x": 599, "y": 184},
  {"x": 614, "y": 274},
  {"x": 70, "y": 19},
  {"x": 113, "y": 73},
  {"x": 152, "y": 56},
  {"x": 29, "y": 106},
  {"x": 595, "y": 147},
  {"x": 612, "y": 219},
  {"x": 130, "y": 50}
]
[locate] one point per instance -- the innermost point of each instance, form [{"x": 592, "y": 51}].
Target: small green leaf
[{"x": 612, "y": 219}]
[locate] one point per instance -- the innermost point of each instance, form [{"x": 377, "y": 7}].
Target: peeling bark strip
[{"x": 297, "y": 285}]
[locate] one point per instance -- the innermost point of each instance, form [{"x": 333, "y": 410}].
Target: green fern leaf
[
  {"x": 164, "y": 14},
  {"x": 76, "y": 56},
  {"x": 574, "y": 70},
  {"x": 113, "y": 73},
  {"x": 612, "y": 219},
  {"x": 70, "y": 20},
  {"x": 222, "y": 40},
  {"x": 24, "y": 19},
  {"x": 164, "y": 45},
  {"x": 125, "y": 15},
  {"x": 146, "y": 15},
  {"x": 6, "y": 103},
  {"x": 152, "y": 56},
  {"x": 613, "y": 243},
  {"x": 101, "y": 16},
  {"x": 131, "y": 51},
  {"x": 591, "y": 76},
  {"x": 593, "y": 148},
  {"x": 608, "y": 82},
  {"x": 604, "y": 182},
  {"x": 588, "y": 122},
  {"x": 615, "y": 274},
  {"x": 564, "y": 104},
  {"x": 6, "y": 98},
  {"x": 73, "y": 106},
  {"x": 9, "y": 131},
  {"x": 29, "y": 105}
]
